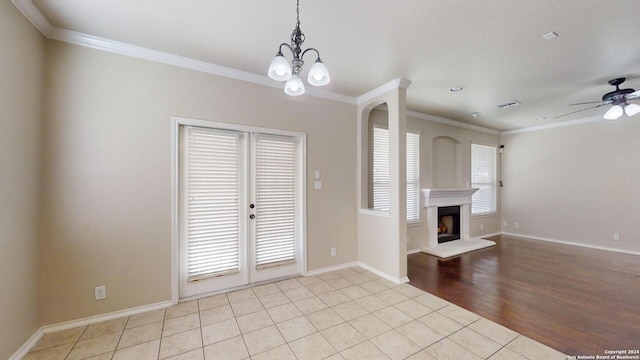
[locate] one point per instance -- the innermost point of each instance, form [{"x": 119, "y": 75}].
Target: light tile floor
[{"x": 345, "y": 314}]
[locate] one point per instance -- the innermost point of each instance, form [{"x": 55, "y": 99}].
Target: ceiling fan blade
[
  {"x": 586, "y": 103},
  {"x": 633, "y": 95},
  {"x": 571, "y": 113}
]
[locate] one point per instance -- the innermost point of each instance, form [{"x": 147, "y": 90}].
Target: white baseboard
[
  {"x": 331, "y": 268},
  {"x": 383, "y": 274},
  {"x": 105, "y": 317},
  {"x": 413, "y": 251},
  {"x": 26, "y": 347},
  {"x": 488, "y": 235},
  {"x": 631, "y": 252}
]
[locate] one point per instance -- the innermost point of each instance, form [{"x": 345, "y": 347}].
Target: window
[
  {"x": 381, "y": 172},
  {"x": 413, "y": 177},
  {"x": 380, "y": 169},
  {"x": 483, "y": 177}
]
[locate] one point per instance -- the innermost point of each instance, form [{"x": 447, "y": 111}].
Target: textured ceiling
[{"x": 494, "y": 48}]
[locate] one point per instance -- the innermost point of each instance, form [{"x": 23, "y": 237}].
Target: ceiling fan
[{"x": 618, "y": 98}]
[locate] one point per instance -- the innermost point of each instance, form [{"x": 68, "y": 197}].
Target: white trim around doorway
[{"x": 176, "y": 122}]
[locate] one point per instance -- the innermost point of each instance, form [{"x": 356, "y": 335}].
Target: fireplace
[
  {"x": 448, "y": 212},
  {"x": 448, "y": 223}
]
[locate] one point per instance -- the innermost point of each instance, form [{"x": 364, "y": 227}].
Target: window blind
[
  {"x": 213, "y": 177},
  {"x": 483, "y": 176},
  {"x": 275, "y": 222},
  {"x": 381, "y": 197},
  {"x": 380, "y": 169},
  {"x": 413, "y": 177}
]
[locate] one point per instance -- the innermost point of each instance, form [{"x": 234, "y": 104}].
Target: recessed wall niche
[{"x": 446, "y": 162}]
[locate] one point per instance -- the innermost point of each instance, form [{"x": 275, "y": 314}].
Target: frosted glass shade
[
  {"x": 279, "y": 69},
  {"x": 294, "y": 86},
  {"x": 613, "y": 113},
  {"x": 632, "y": 109},
  {"x": 318, "y": 74}
]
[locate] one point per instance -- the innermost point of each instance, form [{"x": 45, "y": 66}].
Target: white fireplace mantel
[
  {"x": 435, "y": 198},
  {"x": 447, "y": 197}
]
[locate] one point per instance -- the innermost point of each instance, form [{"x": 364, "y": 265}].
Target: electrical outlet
[
  {"x": 333, "y": 251},
  {"x": 481, "y": 226},
  {"x": 100, "y": 292},
  {"x": 516, "y": 225},
  {"x": 616, "y": 237},
  {"x": 504, "y": 223}
]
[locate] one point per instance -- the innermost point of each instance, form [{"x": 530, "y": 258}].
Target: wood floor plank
[{"x": 576, "y": 300}]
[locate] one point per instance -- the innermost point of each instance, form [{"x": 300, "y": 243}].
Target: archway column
[{"x": 382, "y": 245}]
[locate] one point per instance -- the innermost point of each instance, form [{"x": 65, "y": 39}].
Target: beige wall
[
  {"x": 445, "y": 155},
  {"x": 576, "y": 183},
  {"x": 429, "y": 131},
  {"x": 107, "y": 173},
  {"x": 21, "y": 73}
]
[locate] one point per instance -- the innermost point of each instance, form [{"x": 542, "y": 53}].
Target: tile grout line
[
  {"x": 76, "y": 342},
  {"x": 164, "y": 317},
  {"x": 200, "y": 324},
  {"x": 120, "y": 338}
]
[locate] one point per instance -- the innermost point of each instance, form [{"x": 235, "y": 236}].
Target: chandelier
[{"x": 280, "y": 69}]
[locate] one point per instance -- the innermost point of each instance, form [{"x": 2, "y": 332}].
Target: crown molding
[
  {"x": 442, "y": 120},
  {"x": 553, "y": 126},
  {"x": 384, "y": 88},
  {"x": 31, "y": 12}
]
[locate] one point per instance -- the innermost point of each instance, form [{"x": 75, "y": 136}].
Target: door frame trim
[{"x": 176, "y": 122}]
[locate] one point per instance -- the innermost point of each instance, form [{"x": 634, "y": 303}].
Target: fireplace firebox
[{"x": 448, "y": 223}]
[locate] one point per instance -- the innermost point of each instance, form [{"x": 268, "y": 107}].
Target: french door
[{"x": 240, "y": 208}]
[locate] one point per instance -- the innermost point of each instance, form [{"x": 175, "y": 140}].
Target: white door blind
[
  {"x": 483, "y": 176},
  {"x": 380, "y": 169},
  {"x": 413, "y": 177},
  {"x": 213, "y": 178},
  {"x": 275, "y": 222}
]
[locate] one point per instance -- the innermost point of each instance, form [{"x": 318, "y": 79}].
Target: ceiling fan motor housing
[{"x": 618, "y": 96}]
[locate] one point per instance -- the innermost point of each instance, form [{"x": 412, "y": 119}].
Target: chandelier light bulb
[
  {"x": 318, "y": 74},
  {"x": 279, "y": 69},
  {"x": 614, "y": 112},
  {"x": 632, "y": 109},
  {"x": 294, "y": 86}
]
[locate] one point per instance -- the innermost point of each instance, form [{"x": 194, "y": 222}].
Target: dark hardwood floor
[{"x": 576, "y": 300}]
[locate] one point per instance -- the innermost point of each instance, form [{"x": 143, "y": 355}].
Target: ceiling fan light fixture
[
  {"x": 632, "y": 109},
  {"x": 614, "y": 113}
]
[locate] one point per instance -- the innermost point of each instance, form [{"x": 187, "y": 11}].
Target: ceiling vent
[{"x": 508, "y": 104}]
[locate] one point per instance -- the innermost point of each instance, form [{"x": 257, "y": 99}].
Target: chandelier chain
[{"x": 298, "y": 12}]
